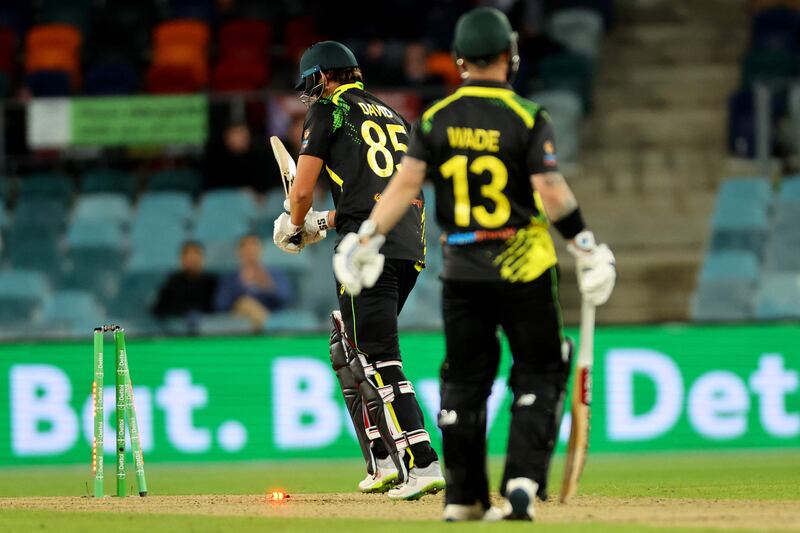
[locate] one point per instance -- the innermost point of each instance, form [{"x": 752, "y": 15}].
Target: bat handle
[{"x": 587, "y": 331}]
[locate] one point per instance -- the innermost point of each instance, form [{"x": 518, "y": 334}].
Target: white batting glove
[
  {"x": 287, "y": 236},
  {"x": 315, "y": 227},
  {"x": 358, "y": 262},
  {"x": 596, "y": 268}
]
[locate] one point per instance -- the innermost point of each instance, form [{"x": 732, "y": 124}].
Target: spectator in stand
[
  {"x": 237, "y": 163},
  {"x": 254, "y": 290},
  {"x": 189, "y": 291}
]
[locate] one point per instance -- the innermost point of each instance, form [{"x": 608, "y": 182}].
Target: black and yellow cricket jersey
[
  {"x": 481, "y": 145},
  {"x": 362, "y": 140}
]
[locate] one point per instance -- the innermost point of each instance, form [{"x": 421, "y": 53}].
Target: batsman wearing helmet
[
  {"x": 357, "y": 141},
  {"x": 491, "y": 155}
]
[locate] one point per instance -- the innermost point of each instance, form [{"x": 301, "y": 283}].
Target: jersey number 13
[{"x": 458, "y": 169}]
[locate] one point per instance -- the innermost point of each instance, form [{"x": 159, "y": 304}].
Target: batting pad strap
[
  {"x": 386, "y": 364},
  {"x": 373, "y": 433},
  {"x": 409, "y": 438},
  {"x": 405, "y": 387},
  {"x": 387, "y": 393}
]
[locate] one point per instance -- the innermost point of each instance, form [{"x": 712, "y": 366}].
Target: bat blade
[
  {"x": 578, "y": 446},
  {"x": 286, "y": 164}
]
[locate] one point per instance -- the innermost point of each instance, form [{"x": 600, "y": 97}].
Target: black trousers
[
  {"x": 370, "y": 319},
  {"x": 530, "y": 316}
]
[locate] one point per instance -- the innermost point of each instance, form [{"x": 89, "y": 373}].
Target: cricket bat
[
  {"x": 288, "y": 170},
  {"x": 578, "y": 446},
  {"x": 286, "y": 164}
]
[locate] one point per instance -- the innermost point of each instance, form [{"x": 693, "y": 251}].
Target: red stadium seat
[
  {"x": 300, "y": 34},
  {"x": 184, "y": 56},
  {"x": 182, "y": 32},
  {"x": 245, "y": 39},
  {"x": 62, "y": 36},
  {"x": 441, "y": 64},
  {"x": 232, "y": 76},
  {"x": 172, "y": 79}
]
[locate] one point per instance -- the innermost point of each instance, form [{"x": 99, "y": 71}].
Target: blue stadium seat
[
  {"x": 749, "y": 189},
  {"x": 419, "y": 314},
  {"x": 96, "y": 253},
  {"x": 273, "y": 207},
  {"x": 41, "y": 255},
  {"x": 160, "y": 252},
  {"x": 182, "y": 180},
  {"x": 740, "y": 220},
  {"x": 165, "y": 204},
  {"x": 225, "y": 203},
  {"x": 317, "y": 287},
  {"x": 790, "y": 189},
  {"x": 221, "y": 255},
  {"x": 103, "y": 208},
  {"x": 724, "y": 300},
  {"x": 109, "y": 181},
  {"x": 22, "y": 293},
  {"x": 569, "y": 71},
  {"x": 221, "y": 228},
  {"x": 578, "y": 29},
  {"x": 782, "y": 251},
  {"x": 735, "y": 265},
  {"x": 76, "y": 309},
  {"x": 89, "y": 234},
  {"x": 55, "y": 185},
  {"x": 779, "y": 296},
  {"x": 137, "y": 293},
  {"x": 41, "y": 212},
  {"x": 295, "y": 320},
  {"x": 565, "y": 110}
]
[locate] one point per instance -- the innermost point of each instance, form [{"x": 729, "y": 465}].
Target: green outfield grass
[{"x": 713, "y": 476}]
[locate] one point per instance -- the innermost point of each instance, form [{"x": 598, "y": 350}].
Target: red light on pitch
[{"x": 277, "y": 496}]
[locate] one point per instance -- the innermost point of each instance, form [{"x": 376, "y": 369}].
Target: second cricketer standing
[
  {"x": 357, "y": 141},
  {"x": 491, "y": 155}
]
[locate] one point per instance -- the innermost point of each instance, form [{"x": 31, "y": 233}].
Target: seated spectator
[
  {"x": 254, "y": 290},
  {"x": 189, "y": 291},
  {"x": 236, "y": 163}
]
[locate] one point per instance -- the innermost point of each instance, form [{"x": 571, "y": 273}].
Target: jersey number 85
[{"x": 376, "y": 138}]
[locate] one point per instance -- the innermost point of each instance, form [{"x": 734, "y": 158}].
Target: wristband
[{"x": 571, "y": 224}]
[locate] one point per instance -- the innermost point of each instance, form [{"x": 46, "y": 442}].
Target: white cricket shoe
[
  {"x": 520, "y": 499},
  {"x": 384, "y": 479},
  {"x": 454, "y": 512},
  {"x": 421, "y": 481}
]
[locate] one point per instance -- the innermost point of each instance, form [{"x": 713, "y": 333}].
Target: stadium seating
[
  {"x": 779, "y": 297},
  {"x": 578, "y": 29},
  {"x": 735, "y": 282},
  {"x": 22, "y": 295},
  {"x": 75, "y": 309},
  {"x": 185, "y": 180},
  {"x": 103, "y": 208},
  {"x": 741, "y": 215},
  {"x": 112, "y": 181},
  {"x": 105, "y": 239}
]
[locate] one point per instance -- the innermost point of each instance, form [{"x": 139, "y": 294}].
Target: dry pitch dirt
[{"x": 756, "y": 514}]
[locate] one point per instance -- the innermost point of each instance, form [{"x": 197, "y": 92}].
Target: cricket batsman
[
  {"x": 491, "y": 155},
  {"x": 357, "y": 141}
]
